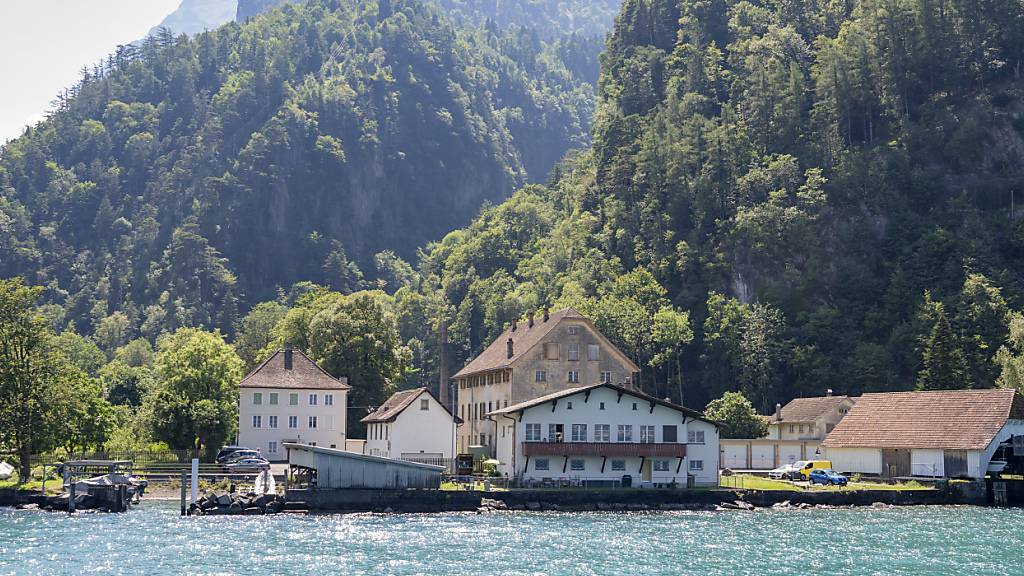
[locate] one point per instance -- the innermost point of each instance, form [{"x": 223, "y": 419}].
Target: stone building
[{"x": 533, "y": 358}]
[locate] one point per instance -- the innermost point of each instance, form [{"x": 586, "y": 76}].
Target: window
[
  {"x": 257, "y": 421},
  {"x": 696, "y": 465},
  {"x": 293, "y": 421},
  {"x": 312, "y": 399},
  {"x": 574, "y": 351},
  {"x": 555, "y": 433},
  {"x": 577, "y": 464},
  {"x": 579, "y": 432},
  {"x": 602, "y": 433},
  {"x": 293, "y": 399},
  {"x": 801, "y": 428},
  {"x": 540, "y": 463},
  {"x": 574, "y": 377},
  {"x": 257, "y": 398},
  {"x": 618, "y": 465},
  {"x": 695, "y": 436},
  {"x": 425, "y": 404},
  {"x": 568, "y": 405},
  {"x": 606, "y": 377},
  {"x": 669, "y": 434},
  {"x": 634, "y": 406},
  {"x": 602, "y": 406},
  {"x": 661, "y": 465},
  {"x": 328, "y": 399},
  {"x": 533, "y": 432},
  {"x": 312, "y": 422},
  {"x": 272, "y": 447},
  {"x": 272, "y": 421},
  {"x": 625, "y": 433},
  {"x": 792, "y": 428},
  {"x": 573, "y": 330},
  {"x": 593, "y": 352},
  {"x": 551, "y": 350},
  {"x": 542, "y": 376},
  {"x": 483, "y": 439},
  {"x": 273, "y": 398},
  {"x": 647, "y": 434}
]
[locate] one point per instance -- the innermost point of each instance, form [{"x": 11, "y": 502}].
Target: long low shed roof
[
  {"x": 946, "y": 419},
  {"x": 342, "y": 469}
]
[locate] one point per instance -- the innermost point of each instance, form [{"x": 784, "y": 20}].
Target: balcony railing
[{"x": 624, "y": 449}]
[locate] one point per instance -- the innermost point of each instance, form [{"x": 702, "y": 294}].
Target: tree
[
  {"x": 1010, "y": 356},
  {"x": 256, "y": 332},
  {"x": 35, "y": 379},
  {"x": 671, "y": 332},
  {"x": 194, "y": 405},
  {"x": 738, "y": 415},
  {"x": 981, "y": 322},
  {"x": 944, "y": 365}
]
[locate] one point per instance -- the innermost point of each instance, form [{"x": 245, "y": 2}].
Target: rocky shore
[{"x": 226, "y": 504}]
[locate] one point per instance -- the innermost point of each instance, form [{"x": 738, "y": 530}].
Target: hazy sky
[{"x": 44, "y": 44}]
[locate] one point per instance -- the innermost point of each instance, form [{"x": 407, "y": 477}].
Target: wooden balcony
[{"x": 610, "y": 449}]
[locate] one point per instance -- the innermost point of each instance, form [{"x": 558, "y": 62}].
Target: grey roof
[{"x": 304, "y": 374}]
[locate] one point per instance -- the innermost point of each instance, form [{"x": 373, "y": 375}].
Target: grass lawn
[
  {"x": 13, "y": 484},
  {"x": 750, "y": 482}
]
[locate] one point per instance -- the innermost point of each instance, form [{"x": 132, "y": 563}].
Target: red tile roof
[
  {"x": 948, "y": 419},
  {"x": 524, "y": 338},
  {"x": 303, "y": 375}
]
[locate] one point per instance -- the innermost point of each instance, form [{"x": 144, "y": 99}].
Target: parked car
[
  {"x": 782, "y": 472},
  {"x": 227, "y": 453},
  {"x": 248, "y": 465},
  {"x": 827, "y": 476},
  {"x": 239, "y": 455},
  {"x": 804, "y": 469}
]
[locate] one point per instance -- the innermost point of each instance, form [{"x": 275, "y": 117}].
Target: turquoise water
[{"x": 153, "y": 539}]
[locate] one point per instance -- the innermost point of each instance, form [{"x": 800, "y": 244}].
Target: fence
[{"x": 140, "y": 458}]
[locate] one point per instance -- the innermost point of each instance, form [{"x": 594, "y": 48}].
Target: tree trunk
[{"x": 24, "y": 461}]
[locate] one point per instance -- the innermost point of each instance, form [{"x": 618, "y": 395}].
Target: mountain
[
  {"x": 826, "y": 191},
  {"x": 550, "y": 18},
  {"x": 194, "y": 16},
  {"x": 191, "y": 176}
]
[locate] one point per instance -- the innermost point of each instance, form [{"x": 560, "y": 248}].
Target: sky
[{"x": 45, "y": 43}]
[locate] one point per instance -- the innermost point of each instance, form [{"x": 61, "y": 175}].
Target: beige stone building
[
  {"x": 808, "y": 418},
  {"x": 533, "y": 358}
]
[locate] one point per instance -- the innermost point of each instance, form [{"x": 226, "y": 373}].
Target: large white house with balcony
[
  {"x": 289, "y": 398},
  {"x": 606, "y": 434}
]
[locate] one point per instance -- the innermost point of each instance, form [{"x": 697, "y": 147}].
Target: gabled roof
[
  {"x": 582, "y": 389},
  {"x": 808, "y": 409},
  {"x": 397, "y": 404},
  {"x": 524, "y": 338},
  {"x": 303, "y": 375},
  {"x": 947, "y": 419}
]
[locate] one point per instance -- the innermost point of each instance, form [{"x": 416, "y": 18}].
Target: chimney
[
  {"x": 287, "y": 356},
  {"x": 529, "y": 320},
  {"x": 778, "y": 412},
  {"x": 511, "y": 348},
  {"x": 547, "y": 313},
  {"x": 514, "y": 324},
  {"x": 828, "y": 393}
]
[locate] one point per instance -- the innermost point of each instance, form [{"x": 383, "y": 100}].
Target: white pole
[{"x": 195, "y": 480}]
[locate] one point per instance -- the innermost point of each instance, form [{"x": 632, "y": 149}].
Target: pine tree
[{"x": 945, "y": 367}]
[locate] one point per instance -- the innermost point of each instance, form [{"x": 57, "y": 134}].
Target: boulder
[
  {"x": 252, "y": 511},
  {"x": 235, "y": 508},
  {"x": 273, "y": 507},
  {"x": 224, "y": 500},
  {"x": 604, "y": 506},
  {"x": 533, "y": 506}
]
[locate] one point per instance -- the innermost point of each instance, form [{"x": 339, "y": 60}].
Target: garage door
[
  {"x": 763, "y": 456},
  {"x": 734, "y": 456}
]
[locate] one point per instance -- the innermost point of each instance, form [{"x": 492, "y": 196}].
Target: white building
[
  {"x": 289, "y": 398},
  {"x": 411, "y": 425},
  {"x": 949, "y": 433},
  {"x": 605, "y": 434}
]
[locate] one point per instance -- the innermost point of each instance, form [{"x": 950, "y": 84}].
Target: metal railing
[{"x": 138, "y": 457}]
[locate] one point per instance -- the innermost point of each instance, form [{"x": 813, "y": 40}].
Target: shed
[{"x": 329, "y": 468}]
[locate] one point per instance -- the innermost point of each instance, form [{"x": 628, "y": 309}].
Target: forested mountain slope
[
  {"x": 825, "y": 188},
  {"x": 191, "y": 174}
]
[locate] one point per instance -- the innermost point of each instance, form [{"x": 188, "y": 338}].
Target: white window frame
[
  {"x": 661, "y": 465},
  {"x": 293, "y": 422},
  {"x": 573, "y": 353},
  {"x": 312, "y": 422},
  {"x": 257, "y": 398},
  {"x": 541, "y": 376},
  {"x": 273, "y": 398},
  {"x": 257, "y": 421},
  {"x": 425, "y": 404},
  {"x": 531, "y": 432},
  {"x": 293, "y": 399},
  {"x": 577, "y": 464},
  {"x": 606, "y": 377},
  {"x": 593, "y": 353},
  {"x": 573, "y": 377},
  {"x": 696, "y": 466},
  {"x": 579, "y": 432},
  {"x": 328, "y": 399},
  {"x": 695, "y": 437},
  {"x": 542, "y": 464},
  {"x": 272, "y": 421},
  {"x": 618, "y": 465},
  {"x": 272, "y": 447},
  {"x": 602, "y": 432},
  {"x": 573, "y": 330},
  {"x": 647, "y": 433},
  {"x": 312, "y": 399},
  {"x": 625, "y": 433}
]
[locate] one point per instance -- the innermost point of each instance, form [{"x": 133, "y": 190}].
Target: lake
[{"x": 154, "y": 540}]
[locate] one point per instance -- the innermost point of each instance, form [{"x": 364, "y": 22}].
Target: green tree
[
  {"x": 195, "y": 402},
  {"x": 256, "y": 332},
  {"x": 944, "y": 365},
  {"x": 738, "y": 414},
  {"x": 1010, "y": 356}
]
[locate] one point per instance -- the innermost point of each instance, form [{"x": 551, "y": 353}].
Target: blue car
[{"x": 827, "y": 477}]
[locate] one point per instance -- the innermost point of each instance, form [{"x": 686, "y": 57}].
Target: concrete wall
[
  {"x": 854, "y": 460},
  {"x": 331, "y": 420},
  {"x": 338, "y": 469}
]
